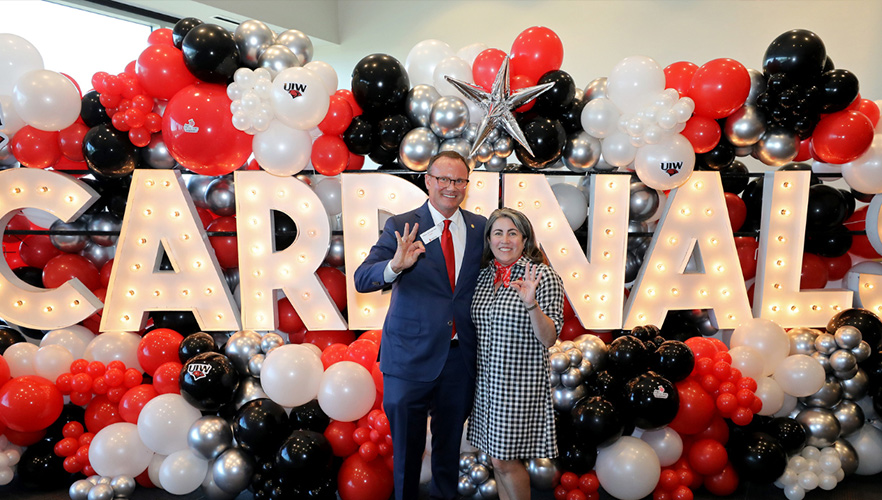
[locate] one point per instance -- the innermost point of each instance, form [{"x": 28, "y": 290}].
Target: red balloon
[
  {"x": 350, "y": 98},
  {"x": 360, "y": 480},
  {"x": 339, "y": 435},
  {"x": 18, "y": 223},
  {"x": 717, "y": 430},
  {"x": 377, "y": 375},
  {"x": 572, "y": 328},
  {"x": 224, "y": 246},
  {"x": 719, "y": 88},
  {"x": 24, "y": 438},
  {"x": 36, "y": 250},
  {"x": 363, "y": 352},
  {"x": 375, "y": 335},
  {"x": 329, "y": 155},
  {"x": 723, "y": 484},
  {"x": 289, "y": 320},
  {"x": 335, "y": 283},
  {"x": 199, "y": 115},
  {"x": 338, "y": 118},
  {"x": 297, "y": 337},
  {"x": 837, "y": 266},
  {"x": 519, "y": 82},
  {"x": 697, "y": 408},
  {"x": 870, "y": 109},
  {"x": 842, "y": 137},
  {"x": 747, "y": 248},
  {"x": 324, "y": 338},
  {"x": 701, "y": 348},
  {"x": 162, "y": 36},
  {"x": 679, "y": 75},
  {"x": 536, "y": 51},
  {"x": 143, "y": 480},
  {"x": 70, "y": 141},
  {"x": 166, "y": 378},
  {"x": 334, "y": 353},
  {"x": 703, "y": 133},
  {"x": 708, "y": 457},
  {"x": 814, "y": 272},
  {"x": 355, "y": 162},
  {"x": 4, "y": 373},
  {"x": 29, "y": 403},
  {"x": 104, "y": 273},
  {"x": 35, "y": 148},
  {"x": 860, "y": 244},
  {"x": 133, "y": 401},
  {"x": 805, "y": 150},
  {"x": 486, "y": 66},
  {"x": 68, "y": 266},
  {"x": 737, "y": 210},
  {"x": 100, "y": 413},
  {"x": 158, "y": 347}
]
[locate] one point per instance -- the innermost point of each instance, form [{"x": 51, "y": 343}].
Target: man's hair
[{"x": 453, "y": 155}]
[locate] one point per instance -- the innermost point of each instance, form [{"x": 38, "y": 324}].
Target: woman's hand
[{"x": 526, "y": 287}]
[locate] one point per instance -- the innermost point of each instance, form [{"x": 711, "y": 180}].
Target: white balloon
[
  {"x": 46, "y": 100},
  {"x": 770, "y": 393},
  {"x": 787, "y": 406},
  {"x": 572, "y": 202},
  {"x": 867, "y": 442},
  {"x": 767, "y": 338},
  {"x": 748, "y": 360},
  {"x": 164, "y": 423},
  {"x": 326, "y": 72},
  {"x": 182, "y": 472},
  {"x": 153, "y": 469},
  {"x": 347, "y": 391},
  {"x": 422, "y": 59},
  {"x": 75, "y": 338},
  {"x": 799, "y": 375},
  {"x": 17, "y": 57},
  {"x": 117, "y": 450},
  {"x": 865, "y": 173},
  {"x": 328, "y": 190},
  {"x": 634, "y": 83},
  {"x": 282, "y": 150},
  {"x": 291, "y": 375},
  {"x": 617, "y": 149},
  {"x": 11, "y": 122},
  {"x": 666, "y": 443},
  {"x": 453, "y": 67},
  {"x": 600, "y": 117},
  {"x": 470, "y": 52},
  {"x": 20, "y": 358},
  {"x": 51, "y": 361},
  {"x": 112, "y": 346},
  {"x": 667, "y": 164},
  {"x": 628, "y": 469},
  {"x": 300, "y": 98}
]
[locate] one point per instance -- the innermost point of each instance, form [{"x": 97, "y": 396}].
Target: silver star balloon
[{"x": 499, "y": 103}]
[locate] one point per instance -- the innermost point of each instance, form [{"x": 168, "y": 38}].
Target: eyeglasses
[{"x": 446, "y": 181}]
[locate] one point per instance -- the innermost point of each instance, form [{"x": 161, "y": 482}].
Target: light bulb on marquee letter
[
  {"x": 64, "y": 197},
  {"x": 364, "y": 196},
  {"x": 695, "y": 221},
  {"x": 263, "y": 270},
  {"x": 779, "y": 265},
  {"x": 160, "y": 215},
  {"x": 593, "y": 285},
  {"x": 483, "y": 194}
]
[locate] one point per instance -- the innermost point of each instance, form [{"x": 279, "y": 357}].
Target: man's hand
[{"x": 409, "y": 249}]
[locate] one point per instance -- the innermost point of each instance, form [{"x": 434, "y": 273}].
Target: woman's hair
[{"x": 522, "y": 224}]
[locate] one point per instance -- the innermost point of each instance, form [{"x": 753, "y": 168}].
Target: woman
[{"x": 518, "y": 313}]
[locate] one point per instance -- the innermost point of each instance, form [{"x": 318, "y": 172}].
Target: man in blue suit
[{"x": 431, "y": 257}]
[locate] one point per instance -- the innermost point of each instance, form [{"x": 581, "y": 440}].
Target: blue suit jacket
[{"x": 416, "y": 333}]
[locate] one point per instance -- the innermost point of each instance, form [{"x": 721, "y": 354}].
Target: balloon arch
[{"x": 297, "y": 411}]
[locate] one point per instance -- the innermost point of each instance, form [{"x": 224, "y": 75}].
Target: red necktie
[{"x": 449, "y": 259}]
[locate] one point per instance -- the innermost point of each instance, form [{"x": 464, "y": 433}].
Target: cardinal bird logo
[
  {"x": 199, "y": 370},
  {"x": 660, "y": 393},
  {"x": 295, "y": 89},
  {"x": 671, "y": 168}
]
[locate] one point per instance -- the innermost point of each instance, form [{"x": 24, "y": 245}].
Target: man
[{"x": 428, "y": 349}]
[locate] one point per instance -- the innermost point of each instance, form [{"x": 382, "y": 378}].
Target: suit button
[{"x": 450, "y": 323}]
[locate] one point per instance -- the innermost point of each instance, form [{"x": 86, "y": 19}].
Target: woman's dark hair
[{"x": 522, "y": 224}]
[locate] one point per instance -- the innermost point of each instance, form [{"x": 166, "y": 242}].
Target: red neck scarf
[{"x": 503, "y": 274}]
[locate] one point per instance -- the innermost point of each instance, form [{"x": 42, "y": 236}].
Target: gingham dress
[{"x": 512, "y": 418}]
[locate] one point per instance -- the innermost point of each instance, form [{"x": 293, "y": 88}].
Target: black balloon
[
  {"x": 182, "y": 322},
  {"x": 382, "y": 155},
  {"x": 673, "y": 360},
  {"x": 285, "y": 230},
  {"x": 69, "y": 413},
  {"x": 734, "y": 177},
  {"x": 183, "y": 27},
  {"x": 210, "y": 53},
  {"x": 757, "y": 457},
  {"x": 380, "y": 84},
  {"x": 108, "y": 152},
  {"x": 826, "y": 208},
  {"x": 304, "y": 458},
  {"x": 209, "y": 381},
  {"x": 608, "y": 386},
  {"x": 850, "y": 202},
  {"x": 627, "y": 356},
  {"x": 799, "y": 54},
  {"x": 678, "y": 325},
  {"x": 357, "y": 136},
  {"x": 260, "y": 426},
  {"x": 652, "y": 401},
  {"x": 789, "y": 433},
  {"x": 832, "y": 243},
  {"x": 9, "y": 336},
  {"x": 31, "y": 275},
  {"x": 596, "y": 422},
  {"x": 196, "y": 344},
  {"x": 92, "y": 111},
  {"x": 560, "y": 96},
  {"x": 578, "y": 459},
  {"x": 839, "y": 88},
  {"x": 309, "y": 417},
  {"x": 392, "y": 130},
  {"x": 868, "y": 323},
  {"x": 862, "y": 197},
  {"x": 753, "y": 197},
  {"x": 546, "y": 138},
  {"x": 720, "y": 157},
  {"x": 571, "y": 117},
  {"x": 645, "y": 333},
  {"x": 40, "y": 468}
]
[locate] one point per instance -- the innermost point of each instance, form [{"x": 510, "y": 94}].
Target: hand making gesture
[
  {"x": 409, "y": 249},
  {"x": 526, "y": 287}
]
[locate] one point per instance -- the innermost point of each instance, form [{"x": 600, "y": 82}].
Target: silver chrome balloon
[
  {"x": 101, "y": 491},
  {"x": 643, "y": 201},
  {"x": 233, "y": 470},
  {"x": 231, "y": 276},
  {"x": 571, "y": 378},
  {"x": 846, "y": 374},
  {"x": 633, "y": 263},
  {"x": 298, "y": 42},
  {"x": 252, "y": 38},
  {"x": 484, "y": 459},
  {"x": 543, "y": 473},
  {"x": 575, "y": 356},
  {"x": 466, "y": 460},
  {"x": 209, "y": 436},
  {"x": 249, "y": 389},
  {"x": 842, "y": 361},
  {"x": 828, "y": 396},
  {"x": 855, "y": 388},
  {"x": 104, "y": 222},
  {"x": 419, "y": 104},
  {"x": 255, "y": 364},
  {"x": 240, "y": 347},
  {"x": 847, "y": 337},
  {"x": 559, "y": 362},
  {"x": 496, "y": 164},
  {"x": 156, "y": 154},
  {"x": 97, "y": 254},
  {"x": 802, "y": 340},
  {"x": 847, "y": 456},
  {"x": 594, "y": 350},
  {"x": 563, "y": 399},
  {"x": 581, "y": 152},
  {"x": 79, "y": 490},
  {"x": 70, "y": 243},
  {"x": 221, "y": 196},
  {"x": 465, "y": 487},
  {"x": 503, "y": 147},
  {"x": 586, "y": 368},
  {"x": 479, "y": 473},
  {"x": 449, "y": 117},
  {"x": 417, "y": 148},
  {"x": 123, "y": 486},
  {"x": 277, "y": 58},
  {"x": 210, "y": 488},
  {"x": 850, "y": 416},
  {"x": 197, "y": 185},
  {"x": 461, "y": 146},
  {"x": 826, "y": 344},
  {"x": 554, "y": 379},
  {"x": 489, "y": 490},
  {"x": 336, "y": 256},
  {"x": 745, "y": 126},
  {"x": 824, "y": 360},
  {"x": 757, "y": 85},
  {"x": 862, "y": 351},
  {"x": 270, "y": 341},
  {"x": 777, "y": 147},
  {"x": 821, "y": 426},
  {"x": 596, "y": 88}
]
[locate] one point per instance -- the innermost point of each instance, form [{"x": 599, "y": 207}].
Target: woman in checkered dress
[{"x": 518, "y": 313}]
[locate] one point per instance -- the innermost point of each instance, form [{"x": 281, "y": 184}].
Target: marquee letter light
[
  {"x": 695, "y": 222},
  {"x": 64, "y": 197},
  {"x": 364, "y": 196},
  {"x": 161, "y": 216},
  {"x": 262, "y": 269},
  {"x": 593, "y": 284},
  {"x": 777, "y": 296},
  {"x": 483, "y": 194}
]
